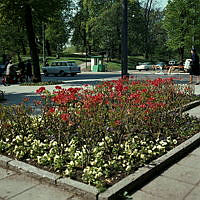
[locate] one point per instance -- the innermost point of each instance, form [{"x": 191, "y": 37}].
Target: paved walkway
[
  {"x": 19, "y": 186},
  {"x": 179, "y": 182}
]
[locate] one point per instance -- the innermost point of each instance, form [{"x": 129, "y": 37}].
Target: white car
[
  {"x": 61, "y": 68},
  {"x": 144, "y": 66}
]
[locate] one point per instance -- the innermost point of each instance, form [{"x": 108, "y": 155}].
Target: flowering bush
[{"x": 98, "y": 135}]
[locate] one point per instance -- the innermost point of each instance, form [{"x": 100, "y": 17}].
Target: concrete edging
[
  {"x": 129, "y": 183},
  {"x": 190, "y": 105},
  {"x": 89, "y": 192}
]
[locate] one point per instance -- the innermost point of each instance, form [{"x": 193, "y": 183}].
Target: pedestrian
[
  {"x": 10, "y": 72},
  {"x": 195, "y": 67},
  {"x": 29, "y": 71}
]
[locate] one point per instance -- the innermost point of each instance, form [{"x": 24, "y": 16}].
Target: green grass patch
[{"x": 42, "y": 83}]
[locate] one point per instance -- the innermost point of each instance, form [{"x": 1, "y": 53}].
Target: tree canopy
[{"x": 94, "y": 26}]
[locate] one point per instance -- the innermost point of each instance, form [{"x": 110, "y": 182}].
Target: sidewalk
[{"x": 19, "y": 186}]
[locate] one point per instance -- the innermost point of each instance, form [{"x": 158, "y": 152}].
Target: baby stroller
[{"x": 13, "y": 77}]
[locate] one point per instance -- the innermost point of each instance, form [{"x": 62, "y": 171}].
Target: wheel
[
  {"x": 73, "y": 74},
  {"x": 62, "y": 73},
  {"x": 46, "y": 73}
]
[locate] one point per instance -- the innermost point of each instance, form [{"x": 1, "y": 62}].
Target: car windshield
[
  {"x": 54, "y": 64},
  {"x": 62, "y": 63}
]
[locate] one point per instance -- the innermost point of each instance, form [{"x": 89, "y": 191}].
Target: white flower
[
  {"x": 107, "y": 138},
  {"x": 56, "y": 157},
  {"x": 159, "y": 147},
  {"x": 39, "y": 159},
  {"x": 149, "y": 151},
  {"x": 128, "y": 168},
  {"x": 54, "y": 143},
  {"x": 163, "y": 143},
  {"x": 142, "y": 156},
  {"x": 174, "y": 141},
  {"x": 67, "y": 172},
  {"x": 71, "y": 162},
  {"x": 142, "y": 142},
  {"x": 101, "y": 144}
]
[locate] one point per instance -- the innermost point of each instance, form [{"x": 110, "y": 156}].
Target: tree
[
  {"x": 181, "y": 24},
  {"x": 27, "y": 13}
]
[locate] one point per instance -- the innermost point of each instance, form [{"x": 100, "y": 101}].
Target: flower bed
[{"x": 99, "y": 135}]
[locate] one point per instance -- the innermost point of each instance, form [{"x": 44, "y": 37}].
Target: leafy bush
[{"x": 98, "y": 135}]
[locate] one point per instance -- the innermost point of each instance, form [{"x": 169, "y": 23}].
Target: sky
[{"x": 162, "y": 3}]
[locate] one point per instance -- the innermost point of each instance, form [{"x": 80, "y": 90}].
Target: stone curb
[
  {"x": 87, "y": 191},
  {"x": 129, "y": 183},
  {"x": 190, "y": 105}
]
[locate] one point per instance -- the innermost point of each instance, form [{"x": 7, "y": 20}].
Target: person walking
[
  {"x": 10, "y": 73},
  {"x": 195, "y": 67}
]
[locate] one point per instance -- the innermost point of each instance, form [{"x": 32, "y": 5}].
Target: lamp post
[
  {"x": 124, "y": 40},
  {"x": 43, "y": 45}
]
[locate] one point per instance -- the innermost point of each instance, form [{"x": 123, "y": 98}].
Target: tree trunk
[
  {"x": 48, "y": 48},
  {"x": 32, "y": 44},
  {"x": 23, "y": 48},
  {"x": 181, "y": 54},
  {"x": 18, "y": 56},
  {"x": 147, "y": 21}
]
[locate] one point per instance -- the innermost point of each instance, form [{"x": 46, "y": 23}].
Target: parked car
[
  {"x": 144, "y": 66},
  {"x": 61, "y": 68},
  {"x": 187, "y": 65},
  {"x": 2, "y": 69}
]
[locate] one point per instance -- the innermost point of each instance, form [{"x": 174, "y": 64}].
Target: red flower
[
  {"x": 26, "y": 99},
  {"x": 51, "y": 110},
  {"x": 38, "y": 102},
  {"x": 117, "y": 122},
  {"x": 58, "y": 87},
  {"x": 40, "y": 90},
  {"x": 65, "y": 116}
]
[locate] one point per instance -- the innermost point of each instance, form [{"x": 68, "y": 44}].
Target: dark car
[{"x": 2, "y": 69}]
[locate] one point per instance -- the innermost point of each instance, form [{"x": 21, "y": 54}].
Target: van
[{"x": 61, "y": 68}]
